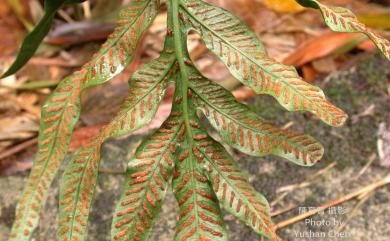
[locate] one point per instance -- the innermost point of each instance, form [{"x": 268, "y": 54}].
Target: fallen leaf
[
  {"x": 18, "y": 127},
  {"x": 322, "y": 46},
  {"x": 28, "y": 101},
  {"x": 285, "y": 6},
  {"x": 309, "y": 73},
  {"x": 379, "y": 20},
  {"x": 324, "y": 65}
]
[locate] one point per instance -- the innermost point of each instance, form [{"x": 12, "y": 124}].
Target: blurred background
[{"x": 347, "y": 66}]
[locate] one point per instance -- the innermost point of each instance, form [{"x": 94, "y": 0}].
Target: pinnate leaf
[
  {"x": 343, "y": 20},
  {"x": 244, "y": 130},
  {"x": 62, "y": 110},
  {"x": 229, "y": 186},
  {"x": 234, "y": 191},
  {"x": 239, "y": 49},
  {"x": 199, "y": 215},
  {"x": 147, "y": 178},
  {"x": 147, "y": 88}
]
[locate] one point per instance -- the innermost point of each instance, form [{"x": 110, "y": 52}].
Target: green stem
[{"x": 179, "y": 50}]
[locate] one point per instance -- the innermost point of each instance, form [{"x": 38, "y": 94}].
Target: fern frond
[
  {"x": 341, "y": 19},
  {"x": 239, "y": 49},
  {"x": 199, "y": 215},
  {"x": 147, "y": 88},
  {"x": 147, "y": 178},
  {"x": 62, "y": 110},
  {"x": 234, "y": 191},
  {"x": 244, "y": 130}
]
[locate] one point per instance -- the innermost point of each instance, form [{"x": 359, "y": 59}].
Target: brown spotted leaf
[
  {"x": 147, "y": 88},
  {"x": 234, "y": 191},
  {"x": 62, "y": 110},
  {"x": 147, "y": 178},
  {"x": 199, "y": 215},
  {"x": 341, "y": 19},
  {"x": 229, "y": 186},
  {"x": 239, "y": 49},
  {"x": 246, "y": 131}
]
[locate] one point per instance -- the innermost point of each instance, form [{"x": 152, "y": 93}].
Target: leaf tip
[
  {"x": 317, "y": 158},
  {"x": 331, "y": 114},
  {"x": 340, "y": 120},
  {"x": 6, "y": 74}
]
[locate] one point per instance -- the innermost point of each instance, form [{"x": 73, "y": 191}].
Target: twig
[
  {"x": 18, "y": 148},
  {"x": 335, "y": 202},
  {"x": 288, "y": 125},
  {"x": 79, "y": 32},
  {"x": 290, "y": 207},
  {"x": 49, "y": 61},
  {"x": 65, "y": 16},
  {"x": 288, "y": 189},
  {"x": 355, "y": 208},
  {"x": 40, "y": 84},
  {"x": 371, "y": 159},
  {"x": 87, "y": 9},
  {"x": 279, "y": 198},
  {"x": 308, "y": 179}
]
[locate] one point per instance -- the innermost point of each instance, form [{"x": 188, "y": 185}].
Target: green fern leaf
[
  {"x": 190, "y": 184},
  {"x": 147, "y": 178},
  {"x": 341, "y": 19},
  {"x": 62, "y": 110},
  {"x": 200, "y": 217},
  {"x": 234, "y": 191},
  {"x": 199, "y": 214},
  {"x": 246, "y": 59},
  {"x": 147, "y": 88},
  {"x": 244, "y": 130}
]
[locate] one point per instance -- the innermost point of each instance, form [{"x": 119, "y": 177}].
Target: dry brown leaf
[
  {"x": 28, "y": 101},
  {"x": 18, "y": 127},
  {"x": 285, "y": 6},
  {"x": 318, "y": 47}
]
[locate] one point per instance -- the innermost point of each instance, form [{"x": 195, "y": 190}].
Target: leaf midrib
[{"x": 180, "y": 50}]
